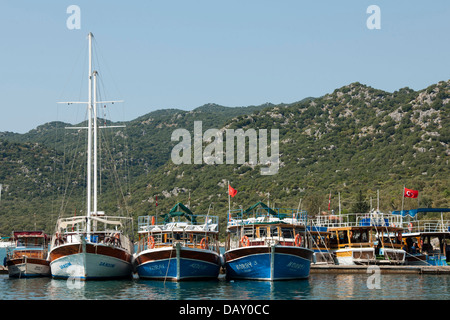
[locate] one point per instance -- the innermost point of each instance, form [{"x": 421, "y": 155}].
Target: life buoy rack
[
  {"x": 298, "y": 240},
  {"x": 151, "y": 242},
  {"x": 204, "y": 243},
  {"x": 245, "y": 241}
]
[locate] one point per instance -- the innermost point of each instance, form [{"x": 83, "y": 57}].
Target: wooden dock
[{"x": 402, "y": 269}]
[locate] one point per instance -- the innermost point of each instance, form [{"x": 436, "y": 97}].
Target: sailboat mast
[
  {"x": 89, "y": 144},
  {"x": 95, "y": 175}
]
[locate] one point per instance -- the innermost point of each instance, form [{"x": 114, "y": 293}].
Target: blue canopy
[{"x": 412, "y": 213}]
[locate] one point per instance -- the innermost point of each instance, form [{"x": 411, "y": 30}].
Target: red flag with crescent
[{"x": 411, "y": 193}]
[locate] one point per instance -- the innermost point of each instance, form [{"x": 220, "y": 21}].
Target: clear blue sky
[{"x": 185, "y": 53}]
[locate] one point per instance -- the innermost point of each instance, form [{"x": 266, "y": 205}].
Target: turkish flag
[
  {"x": 232, "y": 192},
  {"x": 411, "y": 193}
]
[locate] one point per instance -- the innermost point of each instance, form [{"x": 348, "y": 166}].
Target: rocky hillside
[{"x": 354, "y": 139}]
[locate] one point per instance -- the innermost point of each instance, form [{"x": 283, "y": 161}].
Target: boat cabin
[
  {"x": 260, "y": 225},
  {"x": 180, "y": 225},
  {"x": 33, "y": 244}
]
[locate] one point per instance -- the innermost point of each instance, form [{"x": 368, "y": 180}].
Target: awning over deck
[
  {"x": 180, "y": 210},
  {"x": 412, "y": 213}
]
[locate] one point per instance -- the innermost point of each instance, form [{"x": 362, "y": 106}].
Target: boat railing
[
  {"x": 239, "y": 241},
  {"x": 261, "y": 215},
  {"x": 202, "y": 223},
  {"x": 108, "y": 230},
  {"x": 375, "y": 219},
  {"x": 103, "y": 224},
  {"x": 199, "y": 233},
  {"x": 427, "y": 226}
]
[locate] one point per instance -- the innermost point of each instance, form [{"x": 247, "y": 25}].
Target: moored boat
[
  {"x": 94, "y": 246},
  {"x": 28, "y": 257},
  {"x": 99, "y": 252},
  {"x": 266, "y": 244},
  {"x": 363, "y": 239},
  {"x": 182, "y": 246},
  {"x": 425, "y": 240},
  {"x": 319, "y": 242}
]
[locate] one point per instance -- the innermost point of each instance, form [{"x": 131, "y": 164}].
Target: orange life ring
[
  {"x": 204, "y": 243},
  {"x": 153, "y": 220},
  {"x": 298, "y": 240},
  {"x": 245, "y": 241},
  {"x": 151, "y": 242},
  {"x": 410, "y": 226}
]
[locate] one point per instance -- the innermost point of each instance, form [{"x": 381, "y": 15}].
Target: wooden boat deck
[{"x": 341, "y": 269}]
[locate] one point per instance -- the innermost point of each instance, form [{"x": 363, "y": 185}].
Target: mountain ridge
[{"x": 354, "y": 138}]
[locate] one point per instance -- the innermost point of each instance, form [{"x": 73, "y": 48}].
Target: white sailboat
[{"x": 94, "y": 246}]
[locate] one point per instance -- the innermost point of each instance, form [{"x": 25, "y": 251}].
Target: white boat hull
[
  {"x": 90, "y": 266},
  {"x": 27, "y": 269},
  {"x": 358, "y": 256}
]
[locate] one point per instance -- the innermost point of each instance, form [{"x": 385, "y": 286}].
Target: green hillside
[{"x": 354, "y": 140}]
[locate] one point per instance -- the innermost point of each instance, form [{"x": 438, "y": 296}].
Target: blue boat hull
[
  {"x": 268, "y": 263},
  {"x": 189, "y": 264}
]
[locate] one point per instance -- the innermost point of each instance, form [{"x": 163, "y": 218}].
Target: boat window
[
  {"x": 333, "y": 238},
  {"x": 359, "y": 236},
  {"x": 249, "y": 231},
  {"x": 274, "y": 231},
  {"x": 287, "y": 232},
  {"x": 365, "y": 236},
  {"x": 262, "y": 232},
  {"x": 343, "y": 237}
]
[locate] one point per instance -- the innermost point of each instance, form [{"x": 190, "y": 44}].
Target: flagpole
[
  {"x": 189, "y": 202},
  {"x": 329, "y": 202},
  {"x": 229, "y": 200},
  {"x": 339, "y": 204},
  {"x": 403, "y": 197},
  {"x": 378, "y": 200}
]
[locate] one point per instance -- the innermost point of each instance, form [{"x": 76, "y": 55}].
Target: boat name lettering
[
  {"x": 157, "y": 267},
  {"x": 198, "y": 266},
  {"x": 106, "y": 264},
  {"x": 245, "y": 265},
  {"x": 65, "y": 265},
  {"x": 295, "y": 265}
]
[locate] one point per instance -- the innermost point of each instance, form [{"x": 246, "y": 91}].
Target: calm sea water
[{"x": 317, "y": 287}]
